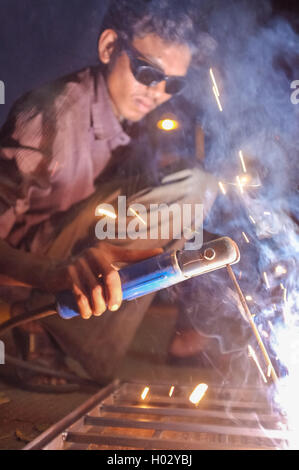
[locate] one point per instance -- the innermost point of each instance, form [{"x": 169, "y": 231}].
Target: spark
[
  {"x": 198, "y": 393},
  {"x": 267, "y": 213},
  {"x": 242, "y": 161},
  {"x": 214, "y": 82},
  {"x": 280, "y": 270},
  {"x": 221, "y": 186},
  {"x": 253, "y": 355},
  {"x": 144, "y": 393},
  {"x": 269, "y": 371},
  {"x": 252, "y": 219},
  {"x": 171, "y": 391},
  {"x": 245, "y": 237},
  {"x": 217, "y": 99},
  {"x": 248, "y": 298},
  {"x": 138, "y": 216},
  {"x": 240, "y": 184},
  {"x": 266, "y": 280},
  {"x": 271, "y": 326},
  {"x": 101, "y": 211}
]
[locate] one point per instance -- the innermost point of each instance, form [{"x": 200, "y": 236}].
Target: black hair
[{"x": 178, "y": 21}]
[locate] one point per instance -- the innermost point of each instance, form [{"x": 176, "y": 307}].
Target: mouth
[{"x": 145, "y": 106}]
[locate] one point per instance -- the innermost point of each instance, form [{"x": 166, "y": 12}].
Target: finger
[
  {"x": 96, "y": 291},
  {"x": 121, "y": 254},
  {"x": 113, "y": 289},
  {"x": 111, "y": 279},
  {"x": 81, "y": 298}
]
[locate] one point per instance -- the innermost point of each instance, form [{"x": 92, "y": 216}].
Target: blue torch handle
[{"x": 137, "y": 280}]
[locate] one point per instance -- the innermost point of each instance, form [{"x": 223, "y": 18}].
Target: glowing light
[
  {"x": 245, "y": 237},
  {"x": 214, "y": 82},
  {"x": 239, "y": 183},
  {"x": 171, "y": 391},
  {"x": 267, "y": 213},
  {"x": 138, "y": 216},
  {"x": 222, "y": 188},
  {"x": 102, "y": 211},
  {"x": 252, "y": 354},
  {"x": 244, "y": 180},
  {"x": 269, "y": 371},
  {"x": 252, "y": 219},
  {"x": 266, "y": 280},
  {"x": 198, "y": 393},
  {"x": 242, "y": 161},
  {"x": 217, "y": 99},
  {"x": 280, "y": 270},
  {"x": 144, "y": 393},
  {"x": 168, "y": 125},
  {"x": 248, "y": 298}
]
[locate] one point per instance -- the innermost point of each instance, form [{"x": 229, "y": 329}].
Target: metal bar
[
  {"x": 62, "y": 425},
  {"x": 196, "y": 413},
  {"x": 149, "y": 443},
  {"x": 163, "y": 401},
  {"x": 252, "y": 324},
  {"x": 187, "y": 427}
]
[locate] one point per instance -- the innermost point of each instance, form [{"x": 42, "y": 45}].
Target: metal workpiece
[
  {"x": 123, "y": 416},
  {"x": 212, "y": 256}
]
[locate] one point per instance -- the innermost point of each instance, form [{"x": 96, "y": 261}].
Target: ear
[{"x": 106, "y": 45}]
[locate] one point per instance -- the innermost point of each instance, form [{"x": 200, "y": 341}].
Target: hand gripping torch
[
  {"x": 147, "y": 276},
  {"x": 163, "y": 271}
]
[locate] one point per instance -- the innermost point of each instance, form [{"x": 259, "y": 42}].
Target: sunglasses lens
[
  {"x": 147, "y": 75},
  {"x": 174, "y": 85}
]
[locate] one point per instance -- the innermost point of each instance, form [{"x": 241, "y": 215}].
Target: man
[{"x": 57, "y": 142}]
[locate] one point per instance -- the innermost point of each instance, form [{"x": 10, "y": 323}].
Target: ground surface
[{"x": 24, "y": 415}]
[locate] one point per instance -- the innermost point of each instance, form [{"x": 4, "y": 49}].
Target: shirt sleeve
[{"x": 25, "y": 156}]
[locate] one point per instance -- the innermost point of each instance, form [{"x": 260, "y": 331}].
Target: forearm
[{"x": 20, "y": 268}]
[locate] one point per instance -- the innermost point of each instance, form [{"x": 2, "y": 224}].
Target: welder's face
[{"x": 131, "y": 98}]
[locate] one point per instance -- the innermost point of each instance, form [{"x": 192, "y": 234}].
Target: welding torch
[{"x": 148, "y": 276}]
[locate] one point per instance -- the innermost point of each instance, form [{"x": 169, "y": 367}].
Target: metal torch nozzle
[{"x": 213, "y": 255}]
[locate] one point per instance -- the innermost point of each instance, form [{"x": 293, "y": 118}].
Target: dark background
[{"x": 43, "y": 39}]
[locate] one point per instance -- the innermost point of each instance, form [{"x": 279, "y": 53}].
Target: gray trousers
[{"x": 99, "y": 343}]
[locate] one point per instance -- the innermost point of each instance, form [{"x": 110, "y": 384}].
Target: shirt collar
[{"x": 105, "y": 123}]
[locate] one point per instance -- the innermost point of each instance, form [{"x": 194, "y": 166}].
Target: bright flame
[
  {"x": 168, "y": 125},
  {"x": 171, "y": 391},
  {"x": 102, "y": 211},
  {"x": 198, "y": 393},
  {"x": 144, "y": 393}
]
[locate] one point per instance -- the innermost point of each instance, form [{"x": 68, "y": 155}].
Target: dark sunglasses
[{"x": 149, "y": 75}]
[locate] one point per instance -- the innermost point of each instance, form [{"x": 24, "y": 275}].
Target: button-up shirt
[{"x": 56, "y": 142}]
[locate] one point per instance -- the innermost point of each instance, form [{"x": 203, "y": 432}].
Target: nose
[{"x": 158, "y": 92}]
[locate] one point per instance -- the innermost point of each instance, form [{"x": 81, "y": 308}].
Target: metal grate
[{"x": 118, "y": 418}]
